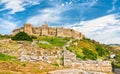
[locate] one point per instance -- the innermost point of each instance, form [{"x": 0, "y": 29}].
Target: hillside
[
  {"x": 41, "y": 55},
  {"x": 87, "y": 49},
  {"x": 44, "y": 54},
  {"x": 115, "y": 49}
]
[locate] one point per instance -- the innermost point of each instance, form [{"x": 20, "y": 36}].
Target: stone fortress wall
[{"x": 44, "y": 30}]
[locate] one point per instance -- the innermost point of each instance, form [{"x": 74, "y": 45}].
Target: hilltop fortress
[{"x": 44, "y": 30}]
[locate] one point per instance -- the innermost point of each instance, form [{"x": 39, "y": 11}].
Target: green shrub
[
  {"x": 117, "y": 58},
  {"x": 24, "y": 64},
  {"x": 5, "y": 57},
  {"x": 55, "y": 64},
  {"x": 22, "y": 36},
  {"x": 101, "y": 51},
  {"x": 89, "y": 54},
  {"x": 80, "y": 56}
]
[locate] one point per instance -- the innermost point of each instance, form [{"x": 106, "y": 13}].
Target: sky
[{"x": 97, "y": 19}]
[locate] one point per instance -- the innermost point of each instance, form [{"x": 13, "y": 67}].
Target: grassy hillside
[
  {"x": 84, "y": 49},
  {"x": 49, "y": 42},
  {"x": 5, "y": 57},
  {"x": 10, "y": 48},
  {"x": 88, "y": 49}
]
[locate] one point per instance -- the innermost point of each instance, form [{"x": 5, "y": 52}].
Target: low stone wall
[
  {"x": 74, "y": 71},
  {"x": 99, "y": 66},
  {"x": 70, "y": 60}
]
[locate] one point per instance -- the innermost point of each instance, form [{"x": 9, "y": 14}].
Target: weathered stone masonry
[
  {"x": 70, "y": 60},
  {"x": 44, "y": 30}
]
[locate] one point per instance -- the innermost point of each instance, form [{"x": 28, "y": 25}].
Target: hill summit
[{"x": 45, "y": 30}]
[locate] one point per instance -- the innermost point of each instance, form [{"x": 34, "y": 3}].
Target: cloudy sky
[{"x": 97, "y": 19}]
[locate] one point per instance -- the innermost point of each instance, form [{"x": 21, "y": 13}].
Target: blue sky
[{"x": 97, "y": 19}]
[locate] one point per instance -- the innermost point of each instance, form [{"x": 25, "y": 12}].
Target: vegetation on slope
[
  {"x": 4, "y": 36},
  {"x": 52, "y": 41},
  {"x": 88, "y": 49},
  {"x": 4, "y": 57},
  {"x": 8, "y": 65},
  {"x": 116, "y": 60},
  {"x": 117, "y": 63},
  {"x": 22, "y": 36}
]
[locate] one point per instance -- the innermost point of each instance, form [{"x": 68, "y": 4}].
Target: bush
[
  {"x": 80, "y": 56},
  {"x": 24, "y": 64},
  {"x": 89, "y": 54},
  {"x": 22, "y": 36},
  {"x": 117, "y": 58},
  {"x": 101, "y": 51}
]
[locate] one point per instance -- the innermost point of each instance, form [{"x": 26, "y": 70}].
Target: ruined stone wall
[
  {"x": 67, "y": 32},
  {"x": 16, "y": 31},
  {"x": 44, "y": 30},
  {"x": 59, "y": 32},
  {"x": 21, "y": 29},
  {"x": 77, "y": 35},
  {"x": 28, "y": 29},
  {"x": 36, "y": 31},
  {"x": 70, "y": 60},
  {"x": 52, "y": 32}
]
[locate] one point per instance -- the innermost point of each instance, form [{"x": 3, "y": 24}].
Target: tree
[{"x": 22, "y": 36}]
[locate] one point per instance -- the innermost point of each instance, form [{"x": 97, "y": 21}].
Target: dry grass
[
  {"x": 29, "y": 67},
  {"x": 17, "y": 67}
]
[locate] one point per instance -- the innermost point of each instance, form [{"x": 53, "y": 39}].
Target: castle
[{"x": 44, "y": 30}]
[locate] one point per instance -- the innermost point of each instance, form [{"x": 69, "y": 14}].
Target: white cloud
[
  {"x": 53, "y": 15},
  {"x": 6, "y": 26},
  {"x": 113, "y": 6},
  {"x": 50, "y": 15},
  {"x": 104, "y": 29},
  {"x": 82, "y": 4},
  {"x": 16, "y": 5},
  {"x": 88, "y": 3}
]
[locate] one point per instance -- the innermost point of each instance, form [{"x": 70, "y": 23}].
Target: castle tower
[
  {"x": 28, "y": 29},
  {"x": 59, "y": 32},
  {"x": 44, "y": 29}
]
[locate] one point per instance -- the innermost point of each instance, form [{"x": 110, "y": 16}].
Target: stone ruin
[
  {"x": 45, "y": 30},
  {"x": 70, "y": 60}
]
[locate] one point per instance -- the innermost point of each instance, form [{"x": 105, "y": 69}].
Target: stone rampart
[{"x": 45, "y": 30}]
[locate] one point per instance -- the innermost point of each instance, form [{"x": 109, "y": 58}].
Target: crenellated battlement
[{"x": 45, "y": 30}]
